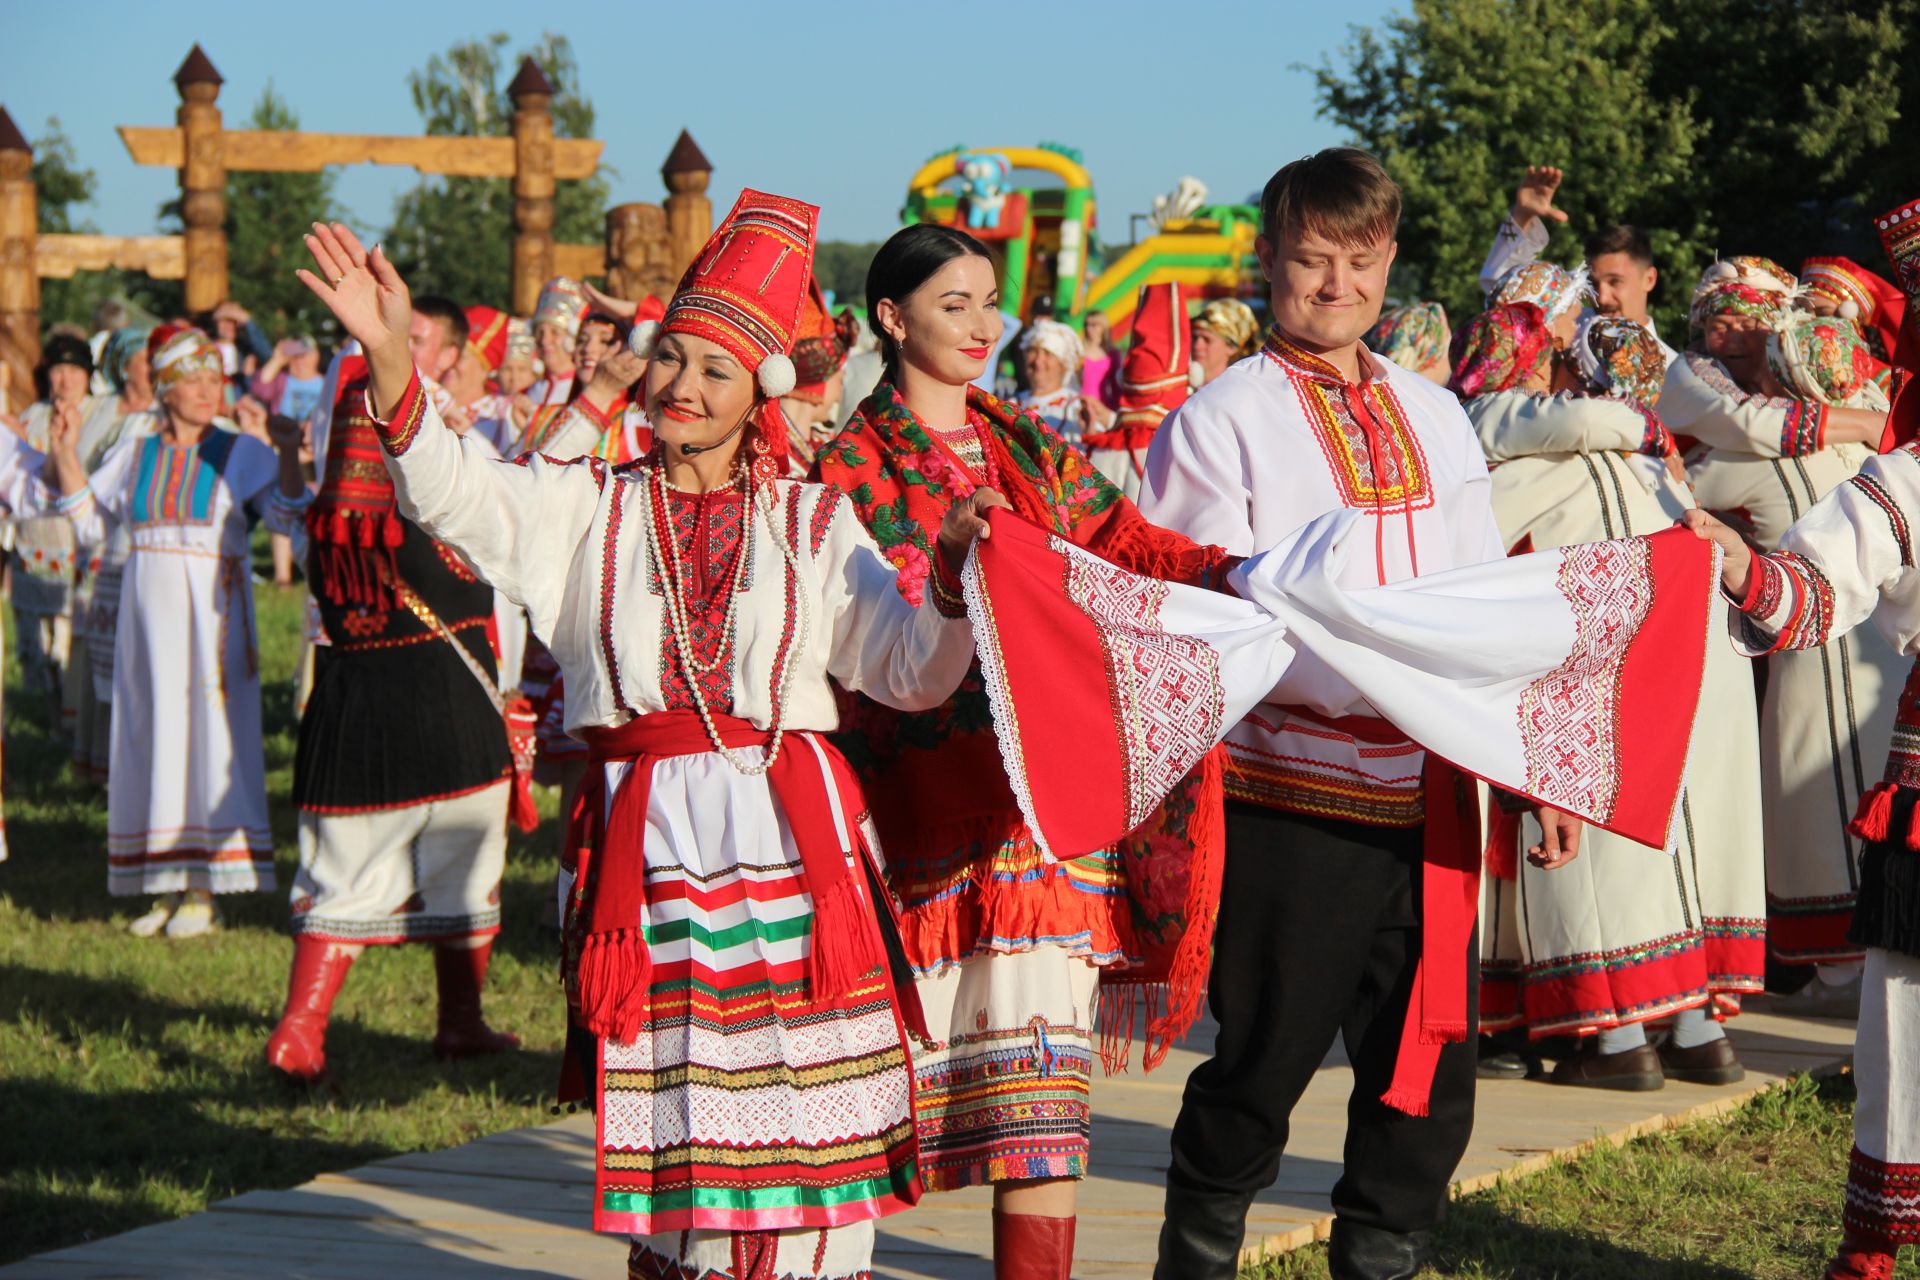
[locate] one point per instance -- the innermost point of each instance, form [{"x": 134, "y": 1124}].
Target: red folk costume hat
[
  {"x": 487, "y": 336},
  {"x": 1900, "y": 237},
  {"x": 1153, "y": 375},
  {"x": 746, "y": 291},
  {"x": 1858, "y": 294}
]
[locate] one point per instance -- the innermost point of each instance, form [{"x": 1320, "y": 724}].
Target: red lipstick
[{"x": 976, "y": 353}]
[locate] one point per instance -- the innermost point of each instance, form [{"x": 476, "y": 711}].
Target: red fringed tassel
[
  {"x": 1875, "y": 815},
  {"x": 1193, "y": 955},
  {"x": 616, "y": 976},
  {"x": 843, "y": 950},
  {"x": 1502, "y": 852}
]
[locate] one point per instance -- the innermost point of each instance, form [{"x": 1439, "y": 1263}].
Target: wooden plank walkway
[{"x": 516, "y": 1204}]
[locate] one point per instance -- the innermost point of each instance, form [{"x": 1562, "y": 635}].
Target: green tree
[
  {"x": 64, "y": 188},
  {"x": 1460, "y": 96},
  {"x": 267, "y": 216},
  {"x": 454, "y": 236},
  {"x": 841, "y": 267},
  {"x": 1735, "y": 126}
]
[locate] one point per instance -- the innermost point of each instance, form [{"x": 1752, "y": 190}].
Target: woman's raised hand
[{"x": 364, "y": 292}]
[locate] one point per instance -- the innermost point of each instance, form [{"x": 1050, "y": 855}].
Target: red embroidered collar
[{"x": 1297, "y": 359}]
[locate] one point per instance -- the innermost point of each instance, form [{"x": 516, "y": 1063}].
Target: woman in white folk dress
[
  {"x": 729, "y": 949},
  {"x": 187, "y": 794}
]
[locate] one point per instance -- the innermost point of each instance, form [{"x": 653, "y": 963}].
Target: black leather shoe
[
  {"x": 1356, "y": 1252},
  {"x": 1711, "y": 1063},
  {"x": 1200, "y": 1237},
  {"x": 1636, "y": 1070}
]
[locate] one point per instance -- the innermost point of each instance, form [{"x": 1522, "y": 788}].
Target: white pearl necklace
[{"x": 669, "y": 560}]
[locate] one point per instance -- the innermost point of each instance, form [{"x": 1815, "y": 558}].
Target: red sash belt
[
  {"x": 606, "y": 843},
  {"x": 1449, "y": 905}
]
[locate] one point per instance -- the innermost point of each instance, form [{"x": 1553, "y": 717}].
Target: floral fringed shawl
[{"x": 960, "y": 856}]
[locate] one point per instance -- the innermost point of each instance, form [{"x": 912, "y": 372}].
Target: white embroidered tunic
[{"x": 1278, "y": 439}]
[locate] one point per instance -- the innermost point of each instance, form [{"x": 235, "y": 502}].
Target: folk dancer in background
[
  {"x": 727, "y": 935},
  {"x": 1772, "y": 444},
  {"x": 1322, "y": 924},
  {"x": 187, "y": 794},
  {"x": 1848, "y": 560},
  {"x": 1152, "y": 383},
  {"x": 402, "y": 772},
  {"x": 1578, "y": 454}
]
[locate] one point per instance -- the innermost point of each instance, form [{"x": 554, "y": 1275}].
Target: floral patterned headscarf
[
  {"x": 1503, "y": 348},
  {"x": 1821, "y": 358},
  {"x": 1555, "y": 290},
  {"x": 1621, "y": 358},
  {"x": 1746, "y": 285},
  {"x": 1414, "y": 336}
]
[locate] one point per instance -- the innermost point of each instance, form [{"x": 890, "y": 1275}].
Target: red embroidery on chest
[
  {"x": 710, "y": 535},
  {"x": 1404, "y": 481}
]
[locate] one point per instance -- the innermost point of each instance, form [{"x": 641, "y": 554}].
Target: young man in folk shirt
[{"x": 1322, "y": 924}]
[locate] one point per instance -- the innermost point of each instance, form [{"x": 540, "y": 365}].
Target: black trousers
[{"x": 1318, "y": 935}]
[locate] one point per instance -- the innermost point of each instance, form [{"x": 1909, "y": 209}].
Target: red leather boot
[
  {"x": 460, "y": 972},
  {"x": 297, "y": 1047},
  {"x": 1863, "y": 1258},
  {"x": 1027, "y": 1246}
]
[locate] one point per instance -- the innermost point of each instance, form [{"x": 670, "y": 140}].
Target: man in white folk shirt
[{"x": 1322, "y": 920}]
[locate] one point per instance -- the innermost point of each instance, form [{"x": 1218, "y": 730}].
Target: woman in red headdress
[{"x": 728, "y": 943}]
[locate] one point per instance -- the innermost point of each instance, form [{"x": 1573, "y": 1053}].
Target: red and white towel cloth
[{"x": 1569, "y": 676}]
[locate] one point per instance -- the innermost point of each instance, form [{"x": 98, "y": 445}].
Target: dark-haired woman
[{"x": 1008, "y": 945}]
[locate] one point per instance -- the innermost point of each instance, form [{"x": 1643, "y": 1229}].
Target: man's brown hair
[{"x": 1341, "y": 193}]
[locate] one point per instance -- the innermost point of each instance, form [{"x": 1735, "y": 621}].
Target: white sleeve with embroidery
[
  {"x": 96, "y": 508},
  {"x": 1849, "y": 558},
  {"x": 1521, "y": 424},
  {"x": 1512, "y": 248},
  {"x": 1195, "y": 482},
  {"x": 519, "y": 526},
  {"x": 910, "y": 657},
  {"x": 1702, "y": 401},
  {"x": 22, "y": 491}
]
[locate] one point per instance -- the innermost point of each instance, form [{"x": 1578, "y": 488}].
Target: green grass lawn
[
  {"x": 133, "y": 1088},
  {"x": 132, "y": 1083},
  {"x": 1756, "y": 1194}
]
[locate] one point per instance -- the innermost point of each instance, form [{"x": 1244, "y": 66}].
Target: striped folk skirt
[{"x": 748, "y": 1103}]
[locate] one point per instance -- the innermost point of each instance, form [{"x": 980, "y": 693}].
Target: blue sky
[{"x": 837, "y": 103}]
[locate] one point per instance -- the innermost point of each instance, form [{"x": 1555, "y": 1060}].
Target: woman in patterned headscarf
[
  {"x": 1415, "y": 337},
  {"x": 187, "y": 799},
  {"x": 1579, "y": 454},
  {"x": 1224, "y": 331}
]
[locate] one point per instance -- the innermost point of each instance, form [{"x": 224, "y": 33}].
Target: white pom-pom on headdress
[
  {"x": 776, "y": 376},
  {"x": 1196, "y": 374},
  {"x": 641, "y": 340},
  {"x": 1848, "y": 310}
]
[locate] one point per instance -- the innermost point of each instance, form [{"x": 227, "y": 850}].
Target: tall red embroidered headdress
[
  {"x": 487, "y": 336},
  {"x": 1900, "y": 236},
  {"x": 745, "y": 292},
  {"x": 1858, "y": 295},
  {"x": 1153, "y": 376}
]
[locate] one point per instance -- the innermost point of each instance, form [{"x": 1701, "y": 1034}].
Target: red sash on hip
[
  {"x": 1449, "y": 906},
  {"x": 606, "y": 843}
]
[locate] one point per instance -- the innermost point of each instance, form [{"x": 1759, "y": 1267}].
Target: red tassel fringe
[
  {"x": 616, "y": 977},
  {"x": 844, "y": 950},
  {"x": 1875, "y": 816}
]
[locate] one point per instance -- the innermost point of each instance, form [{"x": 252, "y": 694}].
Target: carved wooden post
[
  {"x": 689, "y": 212},
  {"x": 532, "y": 95},
  {"x": 203, "y": 182},
  {"x": 19, "y": 226}
]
